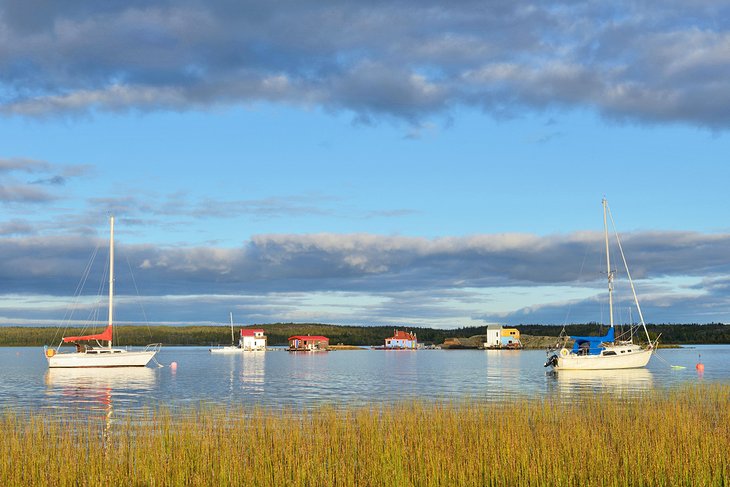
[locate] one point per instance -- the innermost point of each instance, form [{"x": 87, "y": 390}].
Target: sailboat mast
[
  {"x": 232, "y": 339},
  {"x": 631, "y": 281},
  {"x": 608, "y": 264},
  {"x": 111, "y": 272}
]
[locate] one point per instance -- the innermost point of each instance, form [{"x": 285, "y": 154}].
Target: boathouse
[
  {"x": 494, "y": 336},
  {"x": 252, "y": 339},
  {"x": 308, "y": 343},
  {"x": 499, "y": 337},
  {"x": 402, "y": 340},
  {"x": 511, "y": 338}
]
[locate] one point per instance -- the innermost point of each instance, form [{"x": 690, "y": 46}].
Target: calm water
[{"x": 280, "y": 379}]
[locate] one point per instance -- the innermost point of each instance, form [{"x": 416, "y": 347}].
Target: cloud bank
[
  {"x": 282, "y": 277},
  {"x": 638, "y": 61}
]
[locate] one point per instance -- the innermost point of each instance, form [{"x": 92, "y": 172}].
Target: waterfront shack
[
  {"x": 308, "y": 343},
  {"x": 252, "y": 339},
  {"x": 402, "y": 340},
  {"x": 499, "y": 337},
  {"x": 510, "y": 338}
]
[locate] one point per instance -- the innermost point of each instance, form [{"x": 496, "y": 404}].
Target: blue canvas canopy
[{"x": 593, "y": 344}]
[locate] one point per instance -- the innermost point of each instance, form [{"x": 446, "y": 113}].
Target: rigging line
[
  {"x": 77, "y": 293},
  {"x": 628, "y": 274},
  {"x": 93, "y": 316},
  {"x": 580, "y": 274},
  {"x": 94, "y": 311},
  {"x": 101, "y": 294},
  {"x": 602, "y": 300},
  {"x": 139, "y": 298},
  {"x": 79, "y": 288},
  {"x": 656, "y": 353}
]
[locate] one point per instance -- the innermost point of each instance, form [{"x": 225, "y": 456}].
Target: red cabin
[{"x": 309, "y": 343}]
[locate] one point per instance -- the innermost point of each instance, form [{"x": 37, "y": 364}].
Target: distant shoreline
[{"x": 534, "y": 336}]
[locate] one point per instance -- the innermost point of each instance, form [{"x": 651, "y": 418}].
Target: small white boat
[
  {"x": 100, "y": 354},
  {"x": 233, "y": 348},
  {"x": 226, "y": 349},
  {"x": 605, "y": 352}
]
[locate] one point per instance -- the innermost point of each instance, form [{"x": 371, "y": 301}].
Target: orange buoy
[
  {"x": 700, "y": 366},
  {"x": 50, "y": 353}
]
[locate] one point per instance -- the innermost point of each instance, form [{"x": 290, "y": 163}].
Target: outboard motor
[{"x": 552, "y": 361}]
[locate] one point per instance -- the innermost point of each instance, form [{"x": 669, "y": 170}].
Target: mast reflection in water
[{"x": 97, "y": 391}]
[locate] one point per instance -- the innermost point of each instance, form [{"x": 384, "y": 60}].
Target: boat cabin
[
  {"x": 591, "y": 345},
  {"x": 308, "y": 343}
]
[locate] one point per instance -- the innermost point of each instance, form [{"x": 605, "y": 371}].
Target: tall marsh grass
[{"x": 674, "y": 437}]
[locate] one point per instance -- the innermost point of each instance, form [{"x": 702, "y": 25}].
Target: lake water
[{"x": 301, "y": 380}]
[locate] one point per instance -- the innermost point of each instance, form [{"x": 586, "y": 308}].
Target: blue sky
[{"x": 397, "y": 163}]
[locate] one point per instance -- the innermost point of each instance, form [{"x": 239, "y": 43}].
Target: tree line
[
  {"x": 277, "y": 333},
  {"x": 691, "y": 333}
]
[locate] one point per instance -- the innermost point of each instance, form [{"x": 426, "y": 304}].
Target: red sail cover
[{"x": 104, "y": 335}]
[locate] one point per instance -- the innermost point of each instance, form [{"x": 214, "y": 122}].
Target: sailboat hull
[
  {"x": 224, "y": 350},
  {"x": 633, "y": 360},
  {"x": 101, "y": 358}
]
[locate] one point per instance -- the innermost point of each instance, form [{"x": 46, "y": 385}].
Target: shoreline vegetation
[
  {"x": 534, "y": 336},
  {"x": 676, "y": 436}
]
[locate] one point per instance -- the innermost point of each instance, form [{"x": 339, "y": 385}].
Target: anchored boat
[
  {"x": 608, "y": 351},
  {"x": 96, "y": 350},
  {"x": 252, "y": 340},
  {"x": 232, "y": 348}
]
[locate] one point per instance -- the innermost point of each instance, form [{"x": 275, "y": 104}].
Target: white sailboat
[
  {"x": 100, "y": 354},
  {"x": 608, "y": 351},
  {"x": 232, "y": 348},
  {"x": 252, "y": 340}
]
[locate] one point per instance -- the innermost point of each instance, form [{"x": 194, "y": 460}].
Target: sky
[{"x": 374, "y": 163}]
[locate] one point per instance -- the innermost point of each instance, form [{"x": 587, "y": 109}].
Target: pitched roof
[
  {"x": 402, "y": 335},
  {"x": 249, "y": 332},
  {"x": 309, "y": 337}
]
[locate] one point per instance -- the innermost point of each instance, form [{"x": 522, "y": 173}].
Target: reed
[{"x": 667, "y": 437}]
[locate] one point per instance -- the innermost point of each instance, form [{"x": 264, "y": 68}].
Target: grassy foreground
[{"x": 676, "y": 437}]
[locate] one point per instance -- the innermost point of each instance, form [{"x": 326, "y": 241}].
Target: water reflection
[
  {"x": 504, "y": 374},
  {"x": 281, "y": 379},
  {"x": 244, "y": 373},
  {"x": 252, "y": 373},
  {"x": 571, "y": 383},
  {"x": 97, "y": 391}
]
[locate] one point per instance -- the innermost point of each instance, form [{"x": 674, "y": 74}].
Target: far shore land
[
  {"x": 536, "y": 337},
  {"x": 675, "y": 436}
]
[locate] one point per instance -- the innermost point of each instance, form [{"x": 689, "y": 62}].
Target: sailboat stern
[{"x": 552, "y": 361}]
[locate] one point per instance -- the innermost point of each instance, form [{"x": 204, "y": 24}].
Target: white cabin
[
  {"x": 494, "y": 336},
  {"x": 252, "y": 339}
]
